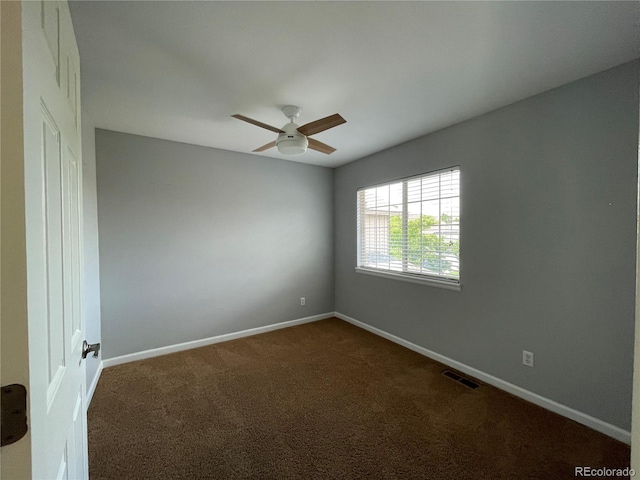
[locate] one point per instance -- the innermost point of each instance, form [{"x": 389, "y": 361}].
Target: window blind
[{"x": 412, "y": 226}]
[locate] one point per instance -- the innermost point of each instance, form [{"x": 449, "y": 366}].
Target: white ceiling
[{"x": 394, "y": 70}]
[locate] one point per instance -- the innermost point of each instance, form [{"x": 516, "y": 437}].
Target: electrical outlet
[
  {"x": 302, "y": 301},
  {"x": 527, "y": 358}
]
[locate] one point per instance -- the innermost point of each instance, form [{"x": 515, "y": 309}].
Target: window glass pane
[
  {"x": 414, "y": 210},
  {"x": 395, "y": 193},
  {"x": 370, "y": 198},
  {"x": 430, "y": 187},
  {"x": 431, "y": 209},
  {"x": 413, "y": 226},
  {"x": 382, "y": 196},
  {"x": 449, "y": 185},
  {"x": 450, "y": 210},
  {"x": 395, "y": 235},
  {"x": 413, "y": 190}
]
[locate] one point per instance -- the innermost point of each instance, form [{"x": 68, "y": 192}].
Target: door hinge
[{"x": 13, "y": 404}]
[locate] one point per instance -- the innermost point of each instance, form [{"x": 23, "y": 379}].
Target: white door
[{"x": 52, "y": 170}]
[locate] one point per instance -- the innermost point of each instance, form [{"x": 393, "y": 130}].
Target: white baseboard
[
  {"x": 587, "y": 420},
  {"x": 156, "y": 352},
  {"x": 94, "y": 384}
]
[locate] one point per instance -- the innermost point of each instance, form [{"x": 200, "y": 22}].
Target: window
[{"x": 410, "y": 229}]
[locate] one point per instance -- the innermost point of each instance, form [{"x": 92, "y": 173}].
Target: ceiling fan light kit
[
  {"x": 291, "y": 142},
  {"x": 292, "y": 138}
]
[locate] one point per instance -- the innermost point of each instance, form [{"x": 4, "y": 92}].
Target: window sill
[{"x": 432, "y": 282}]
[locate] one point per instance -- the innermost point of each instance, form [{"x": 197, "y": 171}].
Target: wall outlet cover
[{"x": 527, "y": 358}]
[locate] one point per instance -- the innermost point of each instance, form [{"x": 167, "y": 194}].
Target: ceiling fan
[{"x": 293, "y": 139}]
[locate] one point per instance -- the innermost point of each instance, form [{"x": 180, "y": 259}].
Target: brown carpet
[{"x": 325, "y": 400}]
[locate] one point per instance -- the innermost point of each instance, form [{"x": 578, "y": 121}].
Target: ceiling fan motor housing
[{"x": 291, "y": 142}]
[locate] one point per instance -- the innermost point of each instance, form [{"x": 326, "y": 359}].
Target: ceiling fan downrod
[{"x": 291, "y": 112}]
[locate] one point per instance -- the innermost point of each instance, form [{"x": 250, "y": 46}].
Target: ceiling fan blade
[
  {"x": 257, "y": 123},
  {"x": 321, "y": 125},
  {"x": 320, "y": 147},
  {"x": 265, "y": 147}
]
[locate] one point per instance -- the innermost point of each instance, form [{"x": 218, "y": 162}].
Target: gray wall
[
  {"x": 91, "y": 285},
  {"x": 548, "y": 212},
  {"x": 197, "y": 242}
]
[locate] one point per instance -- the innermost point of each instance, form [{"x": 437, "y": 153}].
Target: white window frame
[{"x": 436, "y": 280}]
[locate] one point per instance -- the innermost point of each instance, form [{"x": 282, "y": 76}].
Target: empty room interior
[{"x": 358, "y": 239}]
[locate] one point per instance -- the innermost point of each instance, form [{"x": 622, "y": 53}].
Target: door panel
[
  {"x": 50, "y": 24},
  {"x": 52, "y": 267},
  {"x": 78, "y": 441},
  {"x": 52, "y": 270},
  {"x": 73, "y": 272},
  {"x": 53, "y": 219},
  {"x": 63, "y": 469}
]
